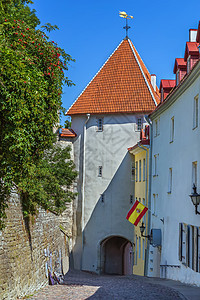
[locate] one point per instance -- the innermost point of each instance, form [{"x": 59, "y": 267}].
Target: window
[
  {"x": 196, "y": 112},
  {"x": 154, "y": 205},
  {"x": 100, "y": 171},
  {"x": 139, "y": 124},
  {"x": 139, "y": 250},
  {"x": 136, "y": 238},
  {"x": 155, "y": 165},
  {"x": 143, "y": 249},
  {"x": 140, "y": 169},
  {"x": 136, "y": 171},
  {"x": 132, "y": 171},
  {"x": 194, "y": 173},
  {"x": 131, "y": 199},
  {"x": 170, "y": 181},
  {"x": 144, "y": 168},
  {"x": 172, "y": 130},
  {"x": 100, "y": 124},
  {"x": 102, "y": 198}
]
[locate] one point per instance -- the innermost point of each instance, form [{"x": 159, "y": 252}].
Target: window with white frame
[
  {"x": 100, "y": 171},
  {"x": 170, "y": 181},
  {"x": 172, "y": 130},
  {"x": 133, "y": 171},
  {"x": 140, "y": 170},
  {"x": 136, "y": 171},
  {"x": 196, "y": 112},
  {"x": 155, "y": 165},
  {"x": 194, "y": 173},
  {"x": 100, "y": 124},
  {"x": 144, "y": 169}
]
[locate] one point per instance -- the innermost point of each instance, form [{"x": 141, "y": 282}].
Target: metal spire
[{"x": 124, "y": 15}]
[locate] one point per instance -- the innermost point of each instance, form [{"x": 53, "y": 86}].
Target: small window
[
  {"x": 131, "y": 199},
  {"x": 143, "y": 249},
  {"x": 136, "y": 171},
  {"x": 172, "y": 130},
  {"x": 196, "y": 112},
  {"x": 170, "y": 181},
  {"x": 100, "y": 124},
  {"x": 139, "y": 250},
  {"x": 140, "y": 170},
  {"x": 157, "y": 127},
  {"x": 139, "y": 124},
  {"x": 102, "y": 198},
  {"x": 144, "y": 169},
  {"x": 194, "y": 173},
  {"x": 100, "y": 171},
  {"x": 155, "y": 165},
  {"x": 132, "y": 171}
]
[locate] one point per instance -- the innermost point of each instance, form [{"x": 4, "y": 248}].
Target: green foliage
[
  {"x": 31, "y": 80},
  {"x": 68, "y": 124}
]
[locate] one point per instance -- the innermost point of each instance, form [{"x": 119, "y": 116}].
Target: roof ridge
[
  {"x": 94, "y": 76},
  {"x": 146, "y": 81}
]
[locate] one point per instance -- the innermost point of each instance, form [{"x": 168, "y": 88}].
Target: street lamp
[
  {"x": 142, "y": 229},
  {"x": 195, "y": 197}
]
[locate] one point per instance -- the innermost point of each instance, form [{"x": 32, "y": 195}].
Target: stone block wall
[{"x": 29, "y": 249}]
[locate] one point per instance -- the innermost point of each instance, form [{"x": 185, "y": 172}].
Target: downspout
[
  {"x": 149, "y": 193},
  {"x": 83, "y": 186}
]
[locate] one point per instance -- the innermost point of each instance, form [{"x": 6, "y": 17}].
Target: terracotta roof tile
[
  {"x": 191, "y": 49},
  {"x": 122, "y": 85},
  {"x": 67, "y": 133}
]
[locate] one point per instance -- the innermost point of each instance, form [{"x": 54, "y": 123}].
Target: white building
[
  {"x": 107, "y": 118},
  {"x": 175, "y": 144}
]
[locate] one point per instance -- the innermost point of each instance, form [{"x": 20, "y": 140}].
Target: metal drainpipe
[
  {"x": 83, "y": 185},
  {"x": 149, "y": 193}
]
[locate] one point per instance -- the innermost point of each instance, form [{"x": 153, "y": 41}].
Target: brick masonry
[{"x": 27, "y": 250}]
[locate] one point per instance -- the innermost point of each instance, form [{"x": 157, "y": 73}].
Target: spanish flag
[{"x": 136, "y": 213}]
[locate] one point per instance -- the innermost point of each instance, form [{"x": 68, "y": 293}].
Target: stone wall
[{"x": 29, "y": 249}]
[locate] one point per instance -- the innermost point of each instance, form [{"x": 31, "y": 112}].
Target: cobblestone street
[{"x": 82, "y": 285}]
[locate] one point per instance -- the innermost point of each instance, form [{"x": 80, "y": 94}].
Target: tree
[{"x": 31, "y": 80}]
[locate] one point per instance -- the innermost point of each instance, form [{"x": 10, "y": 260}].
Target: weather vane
[{"x": 124, "y": 15}]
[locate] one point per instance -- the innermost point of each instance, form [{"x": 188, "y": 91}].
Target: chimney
[
  {"x": 192, "y": 35},
  {"x": 153, "y": 81}
]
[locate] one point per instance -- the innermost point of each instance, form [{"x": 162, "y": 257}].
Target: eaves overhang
[{"x": 186, "y": 82}]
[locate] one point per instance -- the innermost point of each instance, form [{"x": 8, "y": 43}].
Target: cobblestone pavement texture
[{"x": 81, "y": 285}]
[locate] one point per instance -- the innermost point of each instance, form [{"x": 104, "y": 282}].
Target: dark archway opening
[{"x": 116, "y": 256}]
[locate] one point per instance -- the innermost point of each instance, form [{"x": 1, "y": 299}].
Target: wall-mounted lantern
[
  {"x": 142, "y": 229},
  {"x": 195, "y": 197}
]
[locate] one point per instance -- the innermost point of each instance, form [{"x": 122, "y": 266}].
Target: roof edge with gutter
[
  {"x": 178, "y": 91},
  {"x": 142, "y": 73}
]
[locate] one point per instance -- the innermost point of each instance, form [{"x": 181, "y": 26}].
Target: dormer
[
  {"x": 144, "y": 136},
  {"x": 191, "y": 54},
  {"x": 166, "y": 85},
  {"x": 180, "y": 69}
]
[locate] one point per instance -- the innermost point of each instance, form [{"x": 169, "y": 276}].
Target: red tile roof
[
  {"x": 122, "y": 85},
  {"x": 167, "y": 83},
  {"x": 181, "y": 63},
  {"x": 191, "y": 49},
  {"x": 67, "y": 133}
]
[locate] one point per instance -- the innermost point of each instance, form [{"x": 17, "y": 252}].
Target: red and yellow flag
[{"x": 136, "y": 213}]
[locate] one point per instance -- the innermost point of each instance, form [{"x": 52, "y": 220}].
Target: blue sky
[{"x": 91, "y": 30}]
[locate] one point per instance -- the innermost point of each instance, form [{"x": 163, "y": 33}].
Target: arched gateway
[{"x": 116, "y": 256}]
